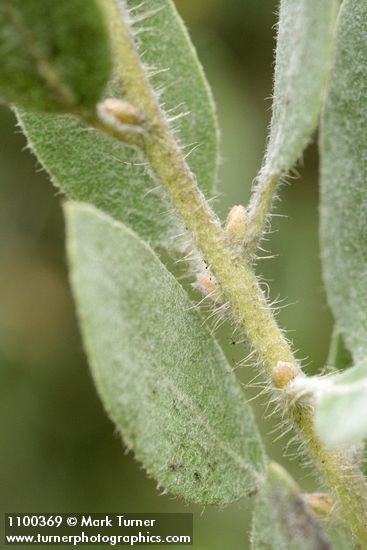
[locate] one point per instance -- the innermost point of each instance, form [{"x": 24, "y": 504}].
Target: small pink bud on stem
[
  {"x": 121, "y": 112},
  {"x": 207, "y": 285},
  {"x": 320, "y": 503},
  {"x": 283, "y": 374},
  {"x": 236, "y": 224}
]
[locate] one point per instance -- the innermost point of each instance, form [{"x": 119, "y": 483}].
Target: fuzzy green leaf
[
  {"x": 90, "y": 167},
  {"x": 305, "y": 46},
  {"x": 281, "y": 518},
  {"x": 161, "y": 375},
  {"x": 54, "y": 55},
  {"x": 341, "y": 407},
  {"x": 343, "y": 181}
]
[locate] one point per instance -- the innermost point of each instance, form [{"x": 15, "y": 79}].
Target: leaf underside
[
  {"x": 305, "y": 46},
  {"x": 90, "y": 167},
  {"x": 281, "y": 518},
  {"x": 161, "y": 376},
  {"x": 343, "y": 211},
  {"x": 54, "y": 55}
]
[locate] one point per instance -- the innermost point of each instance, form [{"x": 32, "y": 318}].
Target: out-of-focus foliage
[
  {"x": 54, "y": 56},
  {"x": 282, "y": 520}
]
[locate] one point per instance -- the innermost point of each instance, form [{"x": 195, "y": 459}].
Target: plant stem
[
  {"x": 132, "y": 138},
  {"x": 339, "y": 357},
  {"x": 235, "y": 277},
  {"x": 259, "y": 209},
  {"x": 248, "y": 305}
]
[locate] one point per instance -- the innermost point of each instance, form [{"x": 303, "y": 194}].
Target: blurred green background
[{"x": 59, "y": 450}]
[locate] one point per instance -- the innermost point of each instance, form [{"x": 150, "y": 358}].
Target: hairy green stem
[
  {"x": 115, "y": 131},
  {"x": 238, "y": 283},
  {"x": 259, "y": 208}
]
